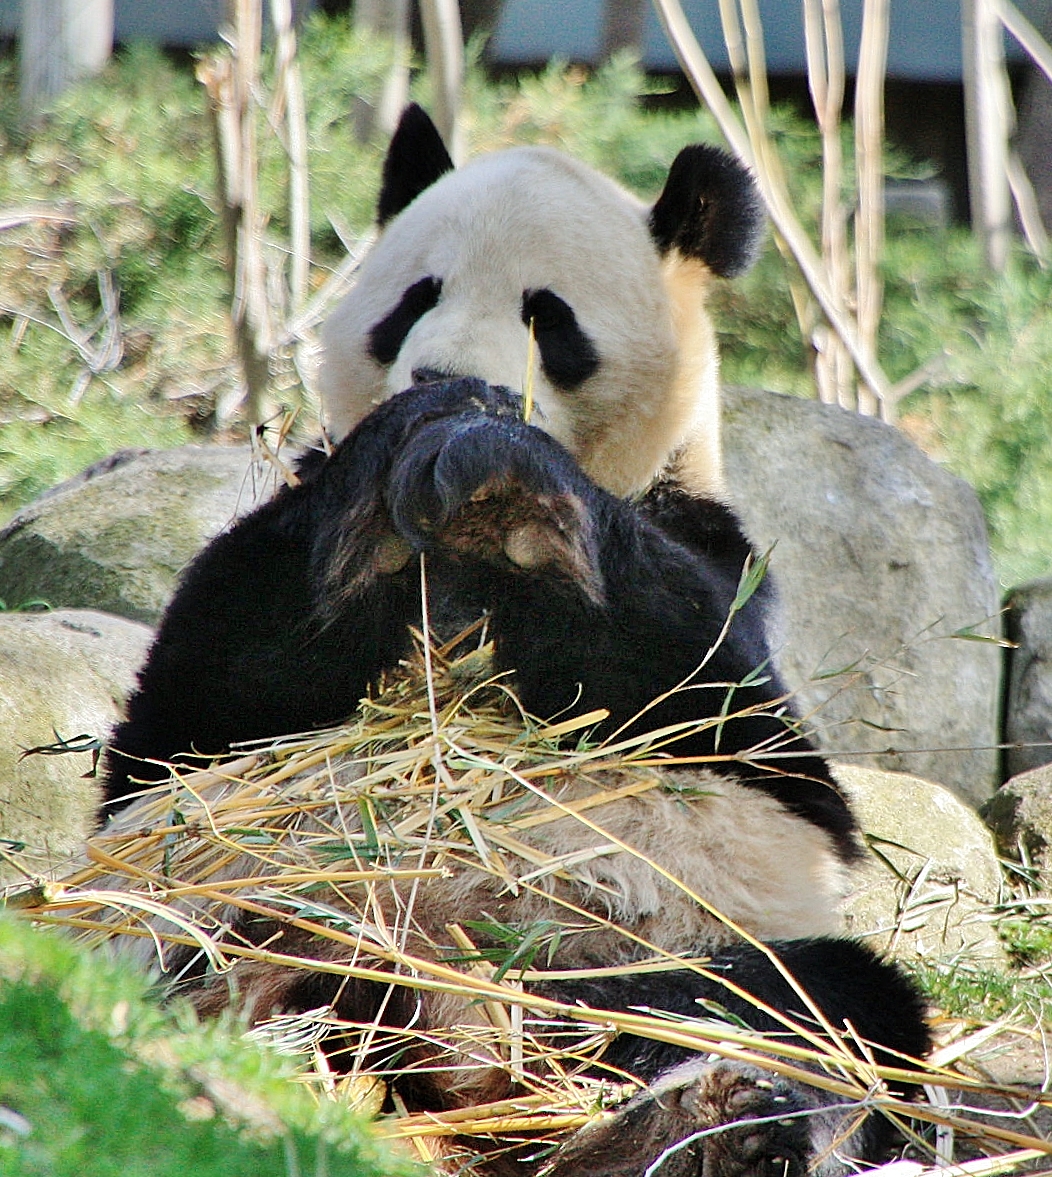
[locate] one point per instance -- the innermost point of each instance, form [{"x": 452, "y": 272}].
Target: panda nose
[{"x": 490, "y": 398}]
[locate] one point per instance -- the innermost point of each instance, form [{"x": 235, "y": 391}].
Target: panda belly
[
  {"x": 681, "y": 868},
  {"x": 677, "y": 868}
]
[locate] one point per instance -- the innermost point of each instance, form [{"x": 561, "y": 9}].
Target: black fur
[
  {"x": 846, "y": 981},
  {"x": 387, "y": 337},
  {"x": 866, "y": 999},
  {"x": 709, "y": 210},
  {"x": 621, "y": 615},
  {"x": 416, "y": 158},
  {"x": 568, "y": 356},
  {"x": 279, "y": 654}
]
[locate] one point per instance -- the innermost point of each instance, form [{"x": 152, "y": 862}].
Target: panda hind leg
[
  {"x": 706, "y": 1119},
  {"x": 721, "y": 1118}
]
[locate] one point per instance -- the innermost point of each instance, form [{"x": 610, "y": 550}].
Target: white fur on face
[{"x": 531, "y": 219}]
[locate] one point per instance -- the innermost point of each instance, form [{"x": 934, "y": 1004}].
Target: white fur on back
[{"x": 525, "y": 219}]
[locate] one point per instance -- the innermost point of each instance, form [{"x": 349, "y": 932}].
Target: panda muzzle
[{"x": 475, "y": 395}]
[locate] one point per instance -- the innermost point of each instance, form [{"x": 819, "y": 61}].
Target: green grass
[
  {"x": 980, "y": 992},
  {"x": 962, "y": 989},
  {"x": 98, "y": 1081}
]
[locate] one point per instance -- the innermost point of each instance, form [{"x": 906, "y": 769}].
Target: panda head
[{"x": 470, "y": 262}]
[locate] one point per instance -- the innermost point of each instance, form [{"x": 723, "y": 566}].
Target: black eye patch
[
  {"x": 387, "y": 337},
  {"x": 568, "y": 356}
]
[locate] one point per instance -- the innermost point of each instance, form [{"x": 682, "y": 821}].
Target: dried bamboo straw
[{"x": 164, "y": 878}]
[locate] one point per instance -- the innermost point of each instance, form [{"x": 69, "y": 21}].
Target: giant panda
[{"x": 597, "y": 539}]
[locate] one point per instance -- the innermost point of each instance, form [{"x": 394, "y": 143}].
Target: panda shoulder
[{"x": 707, "y": 525}]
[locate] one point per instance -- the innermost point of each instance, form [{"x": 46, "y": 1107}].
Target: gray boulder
[
  {"x": 1028, "y": 677},
  {"x": 1020, "y": 816},
  {"x": 63, "y": 676},
  {"x": 884, "y": 573},
  {"x": 931, "y": 880},
  {"x": 117, "y": 537}
]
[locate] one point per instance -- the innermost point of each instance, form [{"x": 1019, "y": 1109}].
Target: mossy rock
[{"x": 117, "y": 537}]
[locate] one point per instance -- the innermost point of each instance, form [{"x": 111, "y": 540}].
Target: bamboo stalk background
[
  {"x": 869, "y": 169},
  {"x": 989, "y": 124},
  {"x": 826, "y": 76},
  {"x": 841, "y": 313},
  {"x": 812, "y": 265},
  {"x": 288, "y": 116},
  {"x": 231, "y": 81},
  {"x": 444, "y": 46}
]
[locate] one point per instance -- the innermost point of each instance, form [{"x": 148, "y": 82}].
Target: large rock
[
  {"x": 1028, "y": 677},
  {"x": 880, "y": 558},
  {"x": 117, "y": 537},
  {"x": 1020, "y": 816},
  {"x": 63, "y": 676},
  {"x": 931, "y": 880}
]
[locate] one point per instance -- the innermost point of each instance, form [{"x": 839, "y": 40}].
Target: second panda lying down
[{"x": 596, "y": 541}]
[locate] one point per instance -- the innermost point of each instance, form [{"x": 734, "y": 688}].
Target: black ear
[
  {"x": 416, "y": 158},
  {"x": 710, "y": 209}
]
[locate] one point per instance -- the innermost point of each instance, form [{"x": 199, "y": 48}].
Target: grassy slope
[{"x": 97, "y": 1081}]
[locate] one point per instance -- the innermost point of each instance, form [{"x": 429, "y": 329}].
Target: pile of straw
[{"x": 439, "y": 769}]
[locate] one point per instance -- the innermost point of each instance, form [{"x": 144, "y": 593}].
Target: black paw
[
  {"x": 487, "y": 486},
  {"x": 371, "y": 448},
  {"x": 719, "y": 1119},
  {"x": 354, "y": 539}
]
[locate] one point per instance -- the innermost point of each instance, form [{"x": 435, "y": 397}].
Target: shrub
[{"x": 125, "y": 164}]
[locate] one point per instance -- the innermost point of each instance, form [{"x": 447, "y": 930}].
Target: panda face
[{"x": 519, "y": 240}]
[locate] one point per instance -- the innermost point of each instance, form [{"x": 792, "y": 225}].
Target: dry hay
[{"x": 442, "y": 769}]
